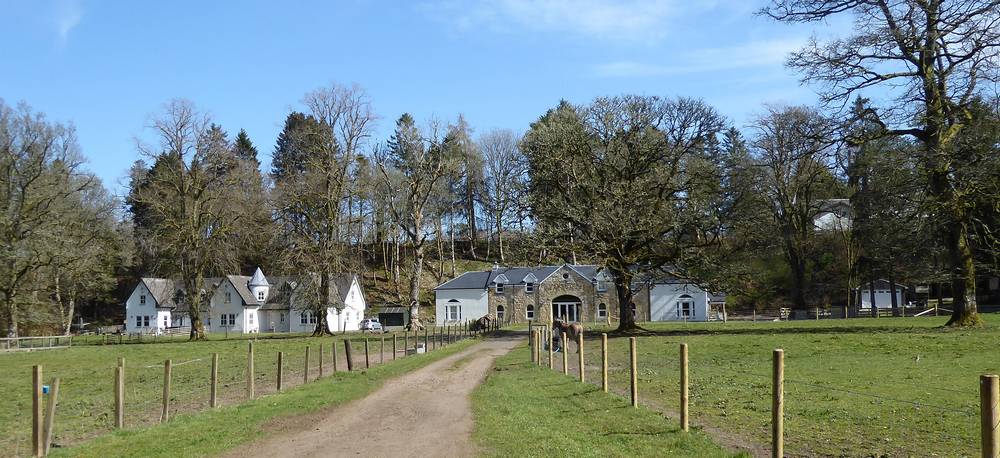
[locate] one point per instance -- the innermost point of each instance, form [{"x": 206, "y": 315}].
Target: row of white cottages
[{"x": 244, "y": 304}]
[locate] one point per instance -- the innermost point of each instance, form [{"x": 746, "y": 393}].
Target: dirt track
[{"x": 426, "y": 412}]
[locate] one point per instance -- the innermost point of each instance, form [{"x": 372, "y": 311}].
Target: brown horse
[
  {"x": 482, "y": 324},
  {"x": 570, "y": 329}
]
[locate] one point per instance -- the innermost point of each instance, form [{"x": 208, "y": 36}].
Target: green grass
[
  {"x": 871, "y": 387},
  {"x": 86, "y": 403},
  {"x": 213, "y": 431},
  {"x": 523, "y": 410}
]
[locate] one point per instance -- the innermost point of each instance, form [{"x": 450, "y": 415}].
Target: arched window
[
  {"x": 602, "y": 310},
  {"x": 500, "y": 313},
  {"x": 685, "y": 306},
  {"x": 529, "y": 312},
  {"x": 453, "y": 310}
]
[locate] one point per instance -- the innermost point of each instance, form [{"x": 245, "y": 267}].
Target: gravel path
[{"x": 423, "y": 413}]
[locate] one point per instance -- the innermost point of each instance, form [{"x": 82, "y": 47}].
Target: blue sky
[{"x": 108, "y": 66}]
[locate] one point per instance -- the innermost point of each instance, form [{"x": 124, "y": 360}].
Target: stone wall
[{"x": 562, "y": 282}]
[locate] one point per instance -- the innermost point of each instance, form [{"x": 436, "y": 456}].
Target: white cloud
[
  {"x": 751, "y": 54},
  {"x": 68, "y": 14},
  {"x": 639, "y": 20}
]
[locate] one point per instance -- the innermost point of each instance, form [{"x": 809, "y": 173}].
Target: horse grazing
[{"x": 570, "y": 329}]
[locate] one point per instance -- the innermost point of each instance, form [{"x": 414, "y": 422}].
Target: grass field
[
  {"x": 86, "y": 402},
  {"x": 860, "y": 387},
  {"x": 523, "y": 410}
]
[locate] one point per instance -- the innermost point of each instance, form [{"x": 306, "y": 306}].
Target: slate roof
[
  {"x": 880, "y": 284},
  {"x": 482, "y": 279}
]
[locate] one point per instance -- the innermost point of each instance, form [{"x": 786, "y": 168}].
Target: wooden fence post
[
  {"x": 684, "y": 387},
  {"x": 36, "y": 410},
  {"x": 368, "y": 363},
  {"x": 778, "y": 404},
  {"x": 165, "y": 413},
  {"x": 579, "y": 352},
  {"x": 320, "y": 360},
  {"x": 565, "y": 352},
  {"x": 305, "y": 375},
  {"x": 548, "y": 342},
  {"x": 406, "y": 342},
  {"x": 50, "y": 416},
  {"x": 394, "y": 339},
  {"x": 381, "y": 350},
  {"x": 250, "y": 370},
  {"x": 989, "y": 395},
  {"x": 213, "y": 399},
  {"x": 119, "y": 397},
  {"x": 604, "y": 362},
  {"x": 634, "y": 373},
  {"x": 281, "y": 366},
  {"x": 427, "y": 347},
  {"x": 349, "y": 356}
]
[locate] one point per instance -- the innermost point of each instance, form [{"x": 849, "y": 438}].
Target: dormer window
[
  {"x": 499, "y": 288},
  {"x": 142, "y": 299},
  {"x": 529, "y": 287},
  {"x": 260, "y": 296}
]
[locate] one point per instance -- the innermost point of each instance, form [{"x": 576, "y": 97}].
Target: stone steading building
[{"x": 518, "y": 294}]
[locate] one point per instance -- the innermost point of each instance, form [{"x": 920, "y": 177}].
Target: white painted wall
[
  {"x": 134, "y": 307},
  {"x": 664, "y": 300},
  {"x": 218, "y": 307},
  {"x": 883, "y": 298},
  {"x": 475, "y": 303},
  {"x": 274, "y": 320}
]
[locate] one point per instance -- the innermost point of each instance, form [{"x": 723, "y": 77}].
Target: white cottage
[
  {"x": 245, "y": 304},
  {"x": 883, "y": 295}
]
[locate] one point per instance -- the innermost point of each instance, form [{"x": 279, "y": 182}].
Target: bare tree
[
  {"x": 412, "y": 167},
  {"x": 793, "y": 148},
  {"x": 42, "y": 171},
  {"x": 187, "y": 196},
  {"x": 312, "y": 201},
  {"x": 506, "y": 175},
  {"x": 931, "y": 57}
]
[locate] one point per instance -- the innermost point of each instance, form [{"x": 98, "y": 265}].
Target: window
[
  {"x": 499, "y": 288},
  {"x": 633, "y": 310},
  {"x": 166, "y": 321},
  {"x": 500, "y": 313},
  {"x": 312, "y": 319},
  {"x": 142, "y": 299},
  {"x": 529, "y": 312},
  {"x": 229, "y": 297},
  {"x": 180, "y": 321},
  {"x": 453, "y": 310},
  {"x": 260, "y": 296},
  {"x": 304, "y": 318},
  {"x": 208, "y": 320},
  {"x": 228, "y": 319},
  {"x": 282, "y": 317},
  {"x": 529, "y": 287},
  {"x": 138, "y": 321},
  {"x": 602, "y": 286},
  {"x": 250, "y": 315},
  {"x": 685, "y": 306},
  {"x": 145, "y": 321},
  {"x": 602, "y": 310}
]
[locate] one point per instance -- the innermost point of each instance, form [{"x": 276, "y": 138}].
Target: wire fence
[
  {"x": 87, "y": 398},
  {"x": 820, "y": 416}
]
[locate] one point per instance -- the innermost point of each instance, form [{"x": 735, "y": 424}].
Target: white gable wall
[
  {"x": 665, "y": 299},
  {"x": 219, "y": 307},
  {"x": 474, "y": 302},
  {"x": 883, "y": 298},
  {"x": 134, "y": 307}
]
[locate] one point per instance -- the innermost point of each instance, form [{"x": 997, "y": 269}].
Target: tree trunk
[
  {"x": 500, "y": 241},
  {"x": 963, "y": 282},
  {"x": 871, "y": 297},
  {"x": 418, "y": 266},
  {"x": 451, "y": 231},
  {"x": 470, "y": 211},
  {"x": 623, "y": 287},
  {"x": 192, "y": 288},
  {"x": 797, "y": 264},
  {"x": 322, "y": 325},
  {"x": 892, "y": 290}
]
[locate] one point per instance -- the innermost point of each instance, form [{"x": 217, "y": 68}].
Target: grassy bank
[
  {"x": 214, "y": 431},
  {"x": 886, "y": 386},
  {"x": 86, "y": 402},
  {"x": 523, "y": 410}
]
